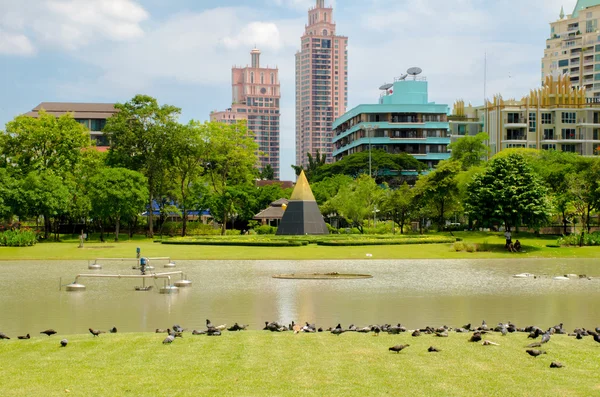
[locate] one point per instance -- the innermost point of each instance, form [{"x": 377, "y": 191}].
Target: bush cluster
[
  {"x": 239, "y": 243},
  {"x": 462, "y": 246},
  {"x": 589, "y": 239},
  {"x": 265, "y": 229},
  {"x": 18, "y": 238},
  {"x": 401, "y": 241}
]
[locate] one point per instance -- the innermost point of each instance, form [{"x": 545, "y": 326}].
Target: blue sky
[{"x": 181, "y": 51}]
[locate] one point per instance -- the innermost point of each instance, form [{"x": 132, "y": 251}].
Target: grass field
[
  {"x": 260, "y": 363},
  {"x": 533, "y": 246}
]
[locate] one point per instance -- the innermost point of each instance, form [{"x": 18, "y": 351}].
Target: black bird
[
  {"x": 579, "y": 336},
  {"x": 433, "y": 349},
  {"x": 597, "y": 338},
  {"x": 3, "y": 336},
  {"x": 535, "y": 352},
  {"x": 443, "y": 334},
  {"x": 556, "y": 364},
  {"x": 476, "y": 337},
  {"x": 237, "y": 327},
  {"x": 398, "y": 348},
  {"x": 178, "y": 328},
  {"x": 63, "y": 343},
  {"x": 48, "y": 332},
  {"x": 216, "y": 332},
  {"x": 535, "y": 344},
  {"x": 416, "y": 333},
  {"x": 467, "y": 327},
  {"x": 376, "y": 330},
  {"x": 196, "y": 332},
  {"x": 546, "y": 337},
  {"x": 209, "y": 324},
  {"x": 113, "y": 330},
  {"x": 96, "y": 332},
  {"x": 169, "y": 339},
  {"x": 175, "y": 334},
  {"x": 24, "y": 337},
  {"x": 337, "y": 331}
]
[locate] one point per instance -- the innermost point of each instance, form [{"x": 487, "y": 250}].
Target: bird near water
[
  {"x": 3, "y": 336},
  {"x": 96, "y": 332},
  {"x": 169, "y": 339},
  {"x": 556, "y": 364},
  {"x": 24, "y": 337},
  {"x": 433, "y": 349},
  {"x": 48, "y": 332},
  {"x": 534, "y": 352},
  {"x": 398, "y": 348},
  {"x": 113, "y": 330},
  {"x": 63, "y": 343}
]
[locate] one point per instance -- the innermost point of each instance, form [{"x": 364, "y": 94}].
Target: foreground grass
[
  {"x": 533, "y": 247},
  {"x": 260, "y": 363}
]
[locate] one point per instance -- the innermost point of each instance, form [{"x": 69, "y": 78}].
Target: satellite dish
[
  {"x": 403, "y": 77},
  {"x": 386, "y": 87},
  {"x": 414, "y": 71}
]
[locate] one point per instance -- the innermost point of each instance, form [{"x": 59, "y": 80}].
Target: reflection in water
[{"x": 413, "y": 292}]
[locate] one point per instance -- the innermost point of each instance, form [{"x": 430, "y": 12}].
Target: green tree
[
  {"x": 509, "y": 192},
  {"x": 470, "y": 150},
  {"x": 44, "y": 193},
  {"x": 267, "y": 173},
  {"x": 141, "y": 135},
  {"x": 44, "y": 143},
  {"x": 118, "y": 194},
  {"x": 229, "y": 166},
  {"x": 440, "y": 189},
  {"x": 8, "y": 193},
  {"x": 357, "y": 201},
  {"x": 314, "y": 163},
  {"x": 397, "y": 204}
]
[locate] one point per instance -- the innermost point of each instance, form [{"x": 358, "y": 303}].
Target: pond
[{"x": 415, "y": 293}]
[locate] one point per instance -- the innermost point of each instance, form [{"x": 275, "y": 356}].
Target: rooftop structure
[
  {"x": 556, "y": 116},
  {"x": 404, "y": 121},
  {"x": 92, "y": 115},
  {"x": 574, "y": 47},
  {"x": 321, "y": 83},
  {"x": 255, "y": 98}
]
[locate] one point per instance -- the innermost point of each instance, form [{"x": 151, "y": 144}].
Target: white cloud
[
  {"x": 260, "y": 34},
  {"x": 72, "y": 24},
  {"x": 15, "y": 44},
  {"x": 303, "y": 5}
]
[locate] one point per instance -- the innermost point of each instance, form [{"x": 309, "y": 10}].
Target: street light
[{"x": 375, "y": 211}]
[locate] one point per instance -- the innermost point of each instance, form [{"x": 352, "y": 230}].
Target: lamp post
[
  {"x": 369, "y": 129},
  {"x": 375, "y": 211}
]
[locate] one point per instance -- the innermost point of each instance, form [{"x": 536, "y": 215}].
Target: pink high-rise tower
[
  {"x": 321, "y": 83},
  {"x": 256, "y": 94}
]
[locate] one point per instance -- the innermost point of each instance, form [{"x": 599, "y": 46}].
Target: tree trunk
[
  {"x": 184, "y": 222},
  {"x": 224, "y": 225},
  {"x": 587, "y": 219},
  {"x": 117, "y": 227},
  {"x": 441, "y": 220},
  {"x": 101, "y": 231},
  {"x": 151, "y": 218},
  {"x": 564, "y": 223},
  {"x": 401, "y": 224},
  {"x": 46, "y": 227}
]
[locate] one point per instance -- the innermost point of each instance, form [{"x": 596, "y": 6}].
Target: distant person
[
  {"x": 508, "y": 237},
  {"x": 517, "y": 245}
]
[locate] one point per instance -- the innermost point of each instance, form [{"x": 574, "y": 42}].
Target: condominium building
[
  {"x": 404, "y": 121},
  {"x": 91, "y": 115},
  {"x": 321, "y": 83},
  {"x": 574, "y": 47},
  {"x": 555, "y": 117},
  {"x": 256, "y": 94}
]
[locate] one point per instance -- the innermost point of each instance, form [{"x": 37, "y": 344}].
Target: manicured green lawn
[
  {"x": 533, "y": 246},
  {"x": 260, "y": 363}
]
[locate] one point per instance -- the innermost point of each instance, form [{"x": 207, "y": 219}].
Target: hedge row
[
  {"x": 342, "y": 243},
  {"x": 239, "y": 243},
  {"x": 18, "y": 238}
]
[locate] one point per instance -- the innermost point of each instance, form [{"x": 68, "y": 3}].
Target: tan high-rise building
[
  {"x": 256, "y": 94},
  {"x": 321, "y": 83},
  {"x": 574, "y": 47}
]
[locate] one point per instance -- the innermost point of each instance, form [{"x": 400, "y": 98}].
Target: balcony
[
  {"x": 519, "y": 121},
  {"x": 571, "y": 136}
]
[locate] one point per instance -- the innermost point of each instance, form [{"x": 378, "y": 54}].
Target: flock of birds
[{"x": 477, "y": 335}]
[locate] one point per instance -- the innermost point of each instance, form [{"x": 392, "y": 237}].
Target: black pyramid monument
[{"x": 302, "y": 215}]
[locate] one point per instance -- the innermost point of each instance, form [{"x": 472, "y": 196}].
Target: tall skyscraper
[
  {"x": 573, "y": 48},
  {"x": 256, "y": 94},
  {"x": 321, "y": 83}
]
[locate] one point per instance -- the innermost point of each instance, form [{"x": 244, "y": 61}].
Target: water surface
[{"x": 415, "y": 293}]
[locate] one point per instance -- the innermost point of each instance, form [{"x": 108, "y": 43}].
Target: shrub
[
  {"x": 18, "y": 238},
  {"x": 458, "y": 246},
  {"x": 400, "y": 241},
  {"x": 589, "y": 239},
  {"x": 471, "y": 247},
  {"x": 239, "y": 243},
  {"x": 265, "y": 229}
]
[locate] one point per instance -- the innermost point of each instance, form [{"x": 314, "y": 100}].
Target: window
[
  {"x": 532, "y": 123},
  {"x": 97, "y": 124},
  {"x": 514, "y": 118},
  {"x": 251, "y": 77},
  {"x": 549, "y": 134},
  {"x": 272, "y": 78},
  {"x": 262, "y": 78},
  {"x": 568, "y": 133},
  {"x": 546, "y": 118},
  {"x": 324, "y": 32},
  {"x": 591, "y": 26},
  {"x": 563, "y": 62},
  {"x": 568, "y": 148},
  {"x": 515, "y": 134},
  {"x": 569, "y": 117},
  {"x": 551, "y": 146}
]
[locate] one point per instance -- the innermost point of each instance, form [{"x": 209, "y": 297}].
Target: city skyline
[{"x": 182, "y": 53}]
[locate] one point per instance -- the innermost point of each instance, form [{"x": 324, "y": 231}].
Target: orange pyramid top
[{"x": 302, "y": 191}]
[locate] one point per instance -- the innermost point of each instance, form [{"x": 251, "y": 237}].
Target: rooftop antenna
[
  {"x": 415, "y": 71},
  {"x": 403, "y": 77},
  {"x": 386, "y": 86}
]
